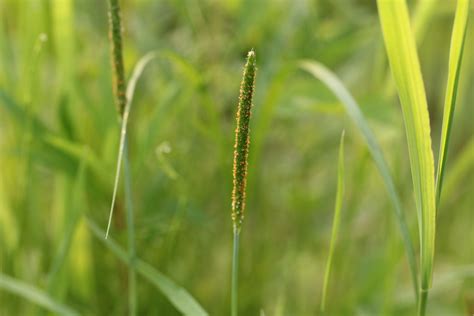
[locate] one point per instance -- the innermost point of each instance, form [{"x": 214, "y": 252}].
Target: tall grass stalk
[
  {"x": 403, "y": 58},
  {"x": 241, "y": 150},
  {"x": 119, "y": 87}
]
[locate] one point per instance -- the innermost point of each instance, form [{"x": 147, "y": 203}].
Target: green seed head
[
  {"x": 242, "y": 140},
  {"x": 115, "y": 33}
]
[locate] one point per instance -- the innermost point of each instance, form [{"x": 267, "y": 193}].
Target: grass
[
  {"x": 59, "y": 145},
  {"x": 402, "y": 54},
  {"x": 336, "y": 222},
  {"x": 178, "y": 296},
  {"x": 119, "y": 86},
  {"x": 241, "y": 152},
  {"x": 354, "y": 112}
]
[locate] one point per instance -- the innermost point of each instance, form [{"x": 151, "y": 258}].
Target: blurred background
[{"x": 59, "y": 137}]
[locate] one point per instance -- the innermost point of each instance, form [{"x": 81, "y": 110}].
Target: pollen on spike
[{"x": 242, "y": 139}]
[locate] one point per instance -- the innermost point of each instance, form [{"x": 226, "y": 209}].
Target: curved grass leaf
[
  {"x": 34, "y": 295},
  {"x": 178, "y": 296},
  {"x": 336, "y": 220},
  {"x": 455, "y": 59},
  {"x": 137, "y": 72},
  {"x": 353, "y": 110},
  {"x": 400, "y": 45}
]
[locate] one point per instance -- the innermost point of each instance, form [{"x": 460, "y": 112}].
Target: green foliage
[
  {"x": 403, "y": 58},
  {"x": 178, "y": 296},
  {"x": 406, "y": 71},
  {"x": 34, "y": 295},
  {"x": 59, "y": 139},
  {"x": 353, "y": 110}
]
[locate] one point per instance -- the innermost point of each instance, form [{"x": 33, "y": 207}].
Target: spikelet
[
  {"x": 242, "y": 140},
  {"x": 115, "y": 34}
]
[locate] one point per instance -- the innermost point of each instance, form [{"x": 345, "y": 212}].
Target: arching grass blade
[
  {"x": 403, "y": 58},
  {"x": 353, "y": 110}
]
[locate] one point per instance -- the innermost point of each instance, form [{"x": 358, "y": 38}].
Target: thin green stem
[
  {"x": 132, "y": 280},
  {"x": 422, "y": 302},
  {"x": 235, "y": 271},
  {"x": 336, "y": 222}
]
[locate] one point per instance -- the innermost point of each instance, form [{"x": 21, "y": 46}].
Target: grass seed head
[
  {"x": 115, "y": 33},
  {"x": 242, "y": 140}
]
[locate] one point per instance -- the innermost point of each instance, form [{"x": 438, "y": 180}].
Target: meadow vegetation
[{"x": 375, "y": 222}]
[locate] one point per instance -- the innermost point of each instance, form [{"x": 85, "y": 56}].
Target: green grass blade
[
  {"x": 137, "y": 72},
  {"x": 403, "y": 59},
  {"x": 353, "y": 110},
  {"x": 336, "y": 221},
  {"x": 123, "y": 154},
  {"x": 455, "y": 58},
  {"x": 178, "y": 296},
  {"x": 34, "y": 295}
]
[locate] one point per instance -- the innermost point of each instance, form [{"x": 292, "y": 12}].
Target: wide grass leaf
[
  {"x": 402, "y": 55},
  {"x": 34, "y": 295}
]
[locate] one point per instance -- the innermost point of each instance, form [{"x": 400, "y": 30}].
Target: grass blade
[
  {"x": 403, "y": 59},
  {"x": 123, "y": 154},
  {"x": 455, "y": 59},
  {"x": 137, "y": 72},
  {"x": 353, "y": 110},
  {"x": 336, "y": 221},
  {"x": 34, "y": 295},
  {"x": 178, "y": 296}
]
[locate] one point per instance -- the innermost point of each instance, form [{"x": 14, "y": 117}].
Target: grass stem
[
  {"x": 422, "y": 302},
  {"x": 235, "y": 271},
  {"x": 132, "y": 280}
]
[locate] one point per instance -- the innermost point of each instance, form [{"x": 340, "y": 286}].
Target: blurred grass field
[{"x": 59, "y": 136}]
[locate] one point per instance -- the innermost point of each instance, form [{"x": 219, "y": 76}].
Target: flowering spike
[
  {"x": 115, "y": 34},
  {"x": 242, "y": 140}
]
